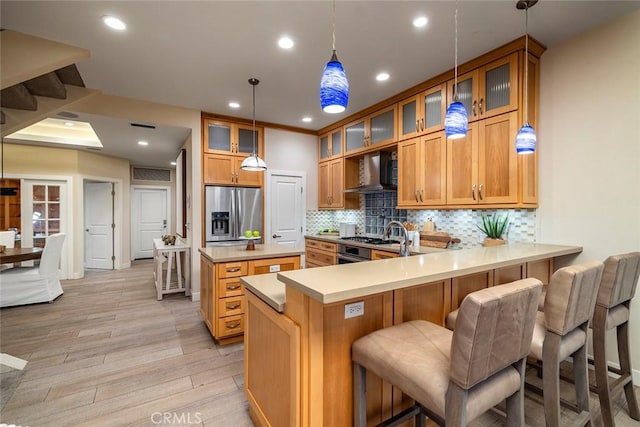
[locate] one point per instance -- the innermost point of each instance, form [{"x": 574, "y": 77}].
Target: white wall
[
  {"x": 293, "y": 151},
  {"x": 589, "y": 147}
]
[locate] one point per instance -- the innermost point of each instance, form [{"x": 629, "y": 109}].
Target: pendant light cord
[
  {"x": 526, "y": 64},
  {"x": 254, "y": 119},
  {"x": 455, "y": 78}
]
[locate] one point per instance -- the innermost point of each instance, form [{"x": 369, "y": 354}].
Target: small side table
[{"x": 165, "y": 280}]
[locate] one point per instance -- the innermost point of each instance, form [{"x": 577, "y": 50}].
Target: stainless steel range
[{"x": 348, "y": 253}]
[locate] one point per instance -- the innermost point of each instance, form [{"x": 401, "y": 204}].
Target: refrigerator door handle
[
  {"x": 234, "y": 213},
  {"x": 239, "y": 209}
]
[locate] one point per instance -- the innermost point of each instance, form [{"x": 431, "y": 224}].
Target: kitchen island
[
  {"x": 222, "y": 301},
  {"x": 298, "y": 362}
]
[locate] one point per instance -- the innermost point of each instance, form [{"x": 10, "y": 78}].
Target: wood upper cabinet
[
  {"x": 225, "y": 145},
  {"x": 230, "y": 138},
  {"x": 489, "y": 90},
  {"x": 423, "y": 113},
  {"x": 332, "y": 178},
  {"x": 422, "y": 167},
  {"x": 225, "y": 170},
  {"x": 482, "y": 168},
  {"x": 330, "y": 145},
  {"x": 372, "y": 132}
]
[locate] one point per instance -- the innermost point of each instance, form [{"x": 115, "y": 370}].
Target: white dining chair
[
  {"x": 28, "y": 285},
  {"x": 8, "y": 239}
]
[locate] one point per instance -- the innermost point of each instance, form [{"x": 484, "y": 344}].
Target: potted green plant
[{"x": 494, "y": 227}]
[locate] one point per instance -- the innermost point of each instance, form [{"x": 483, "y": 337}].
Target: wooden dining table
[{"x": 12, "y": 255}]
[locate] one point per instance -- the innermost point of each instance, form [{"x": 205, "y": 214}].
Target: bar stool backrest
[
  {"x": 571, "y": 296},
  {"x": 493, "y": 330},
  {"x": 619, "y": 280}
]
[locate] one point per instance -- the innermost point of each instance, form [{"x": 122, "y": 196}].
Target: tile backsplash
[{"x": 461, "y": 223}]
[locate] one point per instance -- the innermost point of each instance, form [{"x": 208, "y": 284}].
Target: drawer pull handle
[
  {"x": 233, "y": 270},
  {"x": 233, "y": 287},
  {"x": 233, "y": 306},
  {"x": 235, "y": 325}
]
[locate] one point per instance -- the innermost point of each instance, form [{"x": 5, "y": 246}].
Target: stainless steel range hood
[{"x": 378, "y": 173}]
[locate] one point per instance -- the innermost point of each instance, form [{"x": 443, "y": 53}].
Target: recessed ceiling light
[
  {"x": 420, "y": 21},
  {"x": 307, "y": 119},
  {"x": 173, "y": 163},
  {"x": 285, "y": 42},
  {"x": 143, "y": 143},
  {"x": 234, "y": 105},
  {"x": 69, "y": 124},
  {"x": 382, "y": 77},
  {"x": 114, "y": 23}
]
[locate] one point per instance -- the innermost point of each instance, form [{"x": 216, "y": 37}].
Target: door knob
[
  {"x": 275, "y": 236},
  {"x": 86, "y": 229}
]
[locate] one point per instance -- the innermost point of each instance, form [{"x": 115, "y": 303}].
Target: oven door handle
[{"x": 351, "y": 258}]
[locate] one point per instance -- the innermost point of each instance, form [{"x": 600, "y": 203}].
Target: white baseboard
[
  {"x": 124, "y": 265},
  {"x": 12, "y": 361},
  {"x": 195, "y": 296}
]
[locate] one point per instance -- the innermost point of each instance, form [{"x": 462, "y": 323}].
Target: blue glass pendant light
[
  {"x": 254, "y": 163},
  {"x": 456, "y": 121},
  {"x": 526, "y": 139},
  {"x": 334, "y": 86}
]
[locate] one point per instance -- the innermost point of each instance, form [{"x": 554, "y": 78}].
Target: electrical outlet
[
  {"x": 354, "y": 309},
  {"x": 274, "y": 268}
]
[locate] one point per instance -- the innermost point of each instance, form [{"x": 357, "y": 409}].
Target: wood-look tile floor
[{"x": 107, "y": 353}]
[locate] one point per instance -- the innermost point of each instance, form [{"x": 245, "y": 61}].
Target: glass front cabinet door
[
  {"x": 489, "y": 90},
  {"x": 423, "y": 113}
]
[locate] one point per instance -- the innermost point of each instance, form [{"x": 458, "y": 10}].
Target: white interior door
[
  {"x": 149, "y": 219},
  {"x": 98, "y": 225},
  {"x": 286, "y": 210}
]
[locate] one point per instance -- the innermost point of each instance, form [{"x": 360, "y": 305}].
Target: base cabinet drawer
[
  {"x": 230, "y": 306},
  {"x": 321, "y": 258},
  {"x": 232, "y": 269},
  {"x": 232, "y": 325},
  {"x": 230, "y": 288}
]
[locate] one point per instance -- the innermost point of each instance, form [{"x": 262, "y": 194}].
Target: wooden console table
[{"x": 166, "y": 281}]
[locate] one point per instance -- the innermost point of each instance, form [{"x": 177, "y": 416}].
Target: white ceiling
[{"x": 201, "y": 54}]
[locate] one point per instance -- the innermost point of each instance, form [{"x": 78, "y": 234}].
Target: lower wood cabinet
[
  {"x": 222, "y": 296},
  {"x": 376, "y": 254},
  {"x": 320, "y": 253},
  {"x": 272, "y": 379}
]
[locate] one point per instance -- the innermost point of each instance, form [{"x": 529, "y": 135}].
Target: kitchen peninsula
[
  {"x": 222, "y": 302},
  {"x": 298, "y": 348}
]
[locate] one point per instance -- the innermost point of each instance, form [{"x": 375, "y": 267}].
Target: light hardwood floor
[{"x": 106, "y": 353}]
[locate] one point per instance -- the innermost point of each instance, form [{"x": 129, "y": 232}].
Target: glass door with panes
[{"x": 44, "y": 212}]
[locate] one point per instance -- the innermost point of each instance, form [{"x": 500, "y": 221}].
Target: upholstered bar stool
[
  {"x": 455, "y": 376},
  {"x": 561, "y": 331},
  {"x": 617, "y": 288}
]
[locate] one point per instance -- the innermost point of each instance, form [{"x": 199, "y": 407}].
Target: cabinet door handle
[
  {"x": 473, "y": 109},
  {"x": 473, "y": 191},
  {"x": 233, "y": 269},
  {"x": 421, "y": 192},
  {"x": 233, "y": 287},
  {"x": 422, "y": 123},
  {"x": 480, "y": 192},
  {"x": 480, "y": 105},
  {"x": 417, "y": 125},
  {"x": 235, "y": 325},
  {"x": 232, "y": 306}
]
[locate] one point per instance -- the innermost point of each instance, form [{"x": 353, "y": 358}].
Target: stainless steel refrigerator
[{"x": 229, "y": 212}]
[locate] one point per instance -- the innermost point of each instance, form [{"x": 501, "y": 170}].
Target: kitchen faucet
[{"x": 404, "y": 245}]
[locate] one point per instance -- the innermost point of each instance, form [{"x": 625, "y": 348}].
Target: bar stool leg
[
  {"x": 359, "y": 396},
  {"x": 551, "y": 379},
  {"x": 515, "y": 402},
  {"x": 625, "y": 367},
  {"x": 600, "y": 364},
  {"x": 581, "y": 378}
]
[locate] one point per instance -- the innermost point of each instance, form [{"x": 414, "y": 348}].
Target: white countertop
[
  {"x": 341, "y": 282},
  {"x": 389, "y": 248},
  {"x": 240, "y": 253},
  {"x": 268, "y": 288}
]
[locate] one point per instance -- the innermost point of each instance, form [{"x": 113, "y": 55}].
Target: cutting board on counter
[{"x": 436, "y": 239}]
